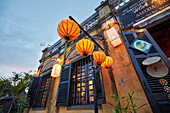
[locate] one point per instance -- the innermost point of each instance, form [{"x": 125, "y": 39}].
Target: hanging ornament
[
  {"x": 168, "y": 96},
  {"x": 84, "y": 47},
  {"x": 68, "y": 30},
  {"x": 163, "y": 81},
  {"x": 107, "y": 63},
  {"x": 99, "y": 57},
  {"x": 167, "y": 89}
]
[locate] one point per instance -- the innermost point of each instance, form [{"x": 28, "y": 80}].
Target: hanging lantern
[
  {"x": 107, "y": 63},
  {"x": 99, "y": 57},
  {"x": 68, "y": 30},
  {"x": 84, "y": 47}
]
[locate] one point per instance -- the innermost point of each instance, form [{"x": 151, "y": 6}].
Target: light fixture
[
  {"x": 35, "y": 72},
  {"x": 99, "y": 57},
  {"x": 58, "y": 59},
  {"x": 108, "y": 22},
  {"x": 68, "y": 30},
  {"x": 49, "y": 45},
  {"x": 84, "y": 47},
  {"x": 107, "y": 63},
  {"x": 56, "y": 70},
  {"x": 113, "y": 37}
]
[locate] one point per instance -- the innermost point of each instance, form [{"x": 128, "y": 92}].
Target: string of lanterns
[{"x": 69, "y": 31}]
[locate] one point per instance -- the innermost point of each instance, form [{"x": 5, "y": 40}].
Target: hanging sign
[{"x": 142, "y": 10}]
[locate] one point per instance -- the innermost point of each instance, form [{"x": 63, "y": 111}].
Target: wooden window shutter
[
  {"x": 100, "y": 95},
  {"x": 154, "y": 91},
  {"x": 33, "y": 90},
  {"x": 43, "y": 91},
  {"x": 64, "y": 86}
]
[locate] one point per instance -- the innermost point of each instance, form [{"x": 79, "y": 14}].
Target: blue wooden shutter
[
  {"x": 33, "y": 90},
  {"x": 155, "y": 93},
  {"x": 64, "y": 86}
]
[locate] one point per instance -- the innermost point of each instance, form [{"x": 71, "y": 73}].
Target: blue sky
[{"x": 24, "y": 24}]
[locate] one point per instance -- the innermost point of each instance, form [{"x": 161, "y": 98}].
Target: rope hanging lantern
[
  {"x": 99, "y": 57},
  {"x": 68, "y": 30},
  {"x": 84, "y": 47}
]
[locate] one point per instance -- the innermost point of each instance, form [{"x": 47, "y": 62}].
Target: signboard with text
[{"x": 140, "y": 10}]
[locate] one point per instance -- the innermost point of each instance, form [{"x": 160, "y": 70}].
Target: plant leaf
[
  {"x": 127, "y": 105},
  {"x": 112, "y": 110},
  {"x": 123, "y": 97},
  {"x": 137, "y": 99},
  {"x": 132, "y": 92}
]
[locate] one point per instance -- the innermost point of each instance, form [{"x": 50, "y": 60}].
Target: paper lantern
[
  {"x": 84, "y": 47},
  {"x": 56, "y": 70},
  {"x": 68, "y": 30},
  {"x": 108, "y": 62},
  {"x": 99, "y": 57}
]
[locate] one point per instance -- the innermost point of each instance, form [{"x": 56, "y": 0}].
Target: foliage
[
  {"x": 131, "y": 106},
  {"x": 15, "y": 88}
]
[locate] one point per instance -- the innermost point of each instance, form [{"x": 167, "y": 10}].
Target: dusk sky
[{"x": 25, "y": 24}]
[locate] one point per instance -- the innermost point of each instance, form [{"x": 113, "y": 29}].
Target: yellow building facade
[{"x": 71, "y": 91}]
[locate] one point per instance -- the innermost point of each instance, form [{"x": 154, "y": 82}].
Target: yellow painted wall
[{"x": 123, "y": 69}]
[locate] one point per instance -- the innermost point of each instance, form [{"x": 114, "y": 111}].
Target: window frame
[
  {"x": 88, "y": 106},
  {"x": 45, "y": 74}
]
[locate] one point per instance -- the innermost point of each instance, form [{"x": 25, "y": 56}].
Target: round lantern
[
  {"x": 99, "y": 57},
  {"x": 68, "y": 30},
  {"x": 84, "y": 47},
  {"x": 108, "y": 62}
]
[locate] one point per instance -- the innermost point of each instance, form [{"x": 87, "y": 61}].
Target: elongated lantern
[
  {"x": 84, "y": 47},
  {"x": 99, "y": 57},
  {"x": 68, "y": 30},
  {"x": 107, "y": 63}
]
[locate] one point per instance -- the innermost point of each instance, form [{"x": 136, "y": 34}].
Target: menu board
[{"x": 140, "y": 10}]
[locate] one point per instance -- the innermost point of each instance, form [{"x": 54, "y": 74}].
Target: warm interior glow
[
  {"x": 108, "y": 22},
  {"x": 56, "y": 70}
]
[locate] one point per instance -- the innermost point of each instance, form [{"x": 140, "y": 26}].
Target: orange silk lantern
[
  {"x": 68, "y": 30},
  {"x": 99, "y": 57},
  {"x": 108, "y": 62},
  {"x": 84, "y": 47}
]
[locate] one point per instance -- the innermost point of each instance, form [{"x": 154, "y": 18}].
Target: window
[
  {"x": 76, "y": 86},
  {"x": 42, "y": 92},
  {"x": 81, "y": 92},
  {"x": 102, "y": 13}
]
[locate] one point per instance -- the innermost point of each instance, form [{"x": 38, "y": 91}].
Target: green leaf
[
  {"x": 1, "y": 109},
  {"x": 112, "y": 110},
  {"x": 117, "y": 111},
  {"x": 118, "y": 99},
  {"x": 127, "y": 105},
  {"x": 114, "y": 95},
  {"x": 132, "y": 92},
  {"x": 137, "y": 99},
  {"x": 134, "y": 105},
  {"x": 123, "y": 97}
]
